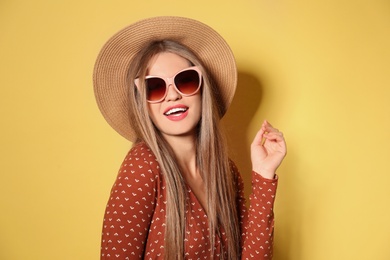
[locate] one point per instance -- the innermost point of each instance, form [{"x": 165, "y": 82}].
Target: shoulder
[
  {"x": 234, "y": 170},
  {"x": 235, "y": 173},
  {"x": 233, "y": 167},
  {"x": 140, "y": 159},
  {"x": 140, "y": 151}
]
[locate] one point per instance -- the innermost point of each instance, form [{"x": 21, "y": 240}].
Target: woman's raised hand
[{"x": 267, "y": 150}]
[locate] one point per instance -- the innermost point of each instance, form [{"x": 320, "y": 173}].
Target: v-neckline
[{"x": 195, "y": 198}]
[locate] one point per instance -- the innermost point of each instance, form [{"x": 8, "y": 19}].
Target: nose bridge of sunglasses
[
  {"x": 170, "y": 81},
  {"x": 172, "y": 90}
]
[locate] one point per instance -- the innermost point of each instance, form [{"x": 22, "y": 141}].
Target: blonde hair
[{"x": 211, "y": 158}]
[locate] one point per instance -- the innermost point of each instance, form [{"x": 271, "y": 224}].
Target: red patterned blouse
[{"x": 134, "y": 221}]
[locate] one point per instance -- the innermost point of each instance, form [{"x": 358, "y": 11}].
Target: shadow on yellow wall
[{"x": 240, "y": 116}]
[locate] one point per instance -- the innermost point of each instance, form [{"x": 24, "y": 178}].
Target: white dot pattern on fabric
[{"x": 134, "y": 221}]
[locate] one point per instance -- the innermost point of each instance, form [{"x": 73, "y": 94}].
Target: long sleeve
[
  {"x": 257, "y": 223},
  {"x": 130, "y": 208}
]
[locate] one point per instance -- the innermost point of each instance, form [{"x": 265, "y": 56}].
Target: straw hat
[{"x": 112, "y": 64}]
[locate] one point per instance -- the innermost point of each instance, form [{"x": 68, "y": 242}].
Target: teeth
[{"x": 175, "y": 110}]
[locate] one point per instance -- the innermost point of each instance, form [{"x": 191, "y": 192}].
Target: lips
[
  {"x": 176, "y": 113},
  {"x": 175, "y": 110}
]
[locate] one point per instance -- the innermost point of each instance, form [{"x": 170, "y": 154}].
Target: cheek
[
  {"x": 153, "y": 111},
  {"x": 198, "y": 113}
]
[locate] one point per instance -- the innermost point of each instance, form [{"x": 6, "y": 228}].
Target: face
[{"x": 175, "y": 115}]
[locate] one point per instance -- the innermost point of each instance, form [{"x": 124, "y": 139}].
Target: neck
[{"x": 184, "y": 148}]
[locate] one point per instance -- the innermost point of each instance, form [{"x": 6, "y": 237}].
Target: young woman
[{"x": 164, "y": 83}]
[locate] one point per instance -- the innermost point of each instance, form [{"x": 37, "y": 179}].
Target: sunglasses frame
[{"x": 171, "y": 81}]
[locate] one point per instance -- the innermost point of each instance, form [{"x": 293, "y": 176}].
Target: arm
[
  {"x": 130, "y": 207},
  {"x": 257, "y": 223},
  {"x": 268, "y": 150}
]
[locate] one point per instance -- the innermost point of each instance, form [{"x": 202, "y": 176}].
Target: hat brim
[{"x": 112, "y": 64}]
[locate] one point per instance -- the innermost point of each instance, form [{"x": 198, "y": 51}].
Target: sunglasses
[{"x": 187, "y": 82}]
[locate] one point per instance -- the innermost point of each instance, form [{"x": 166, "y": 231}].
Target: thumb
[{"x": 258, "y": 140}]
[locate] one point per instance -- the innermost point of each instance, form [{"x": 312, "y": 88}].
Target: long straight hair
[{"x": 211, "y": 159}]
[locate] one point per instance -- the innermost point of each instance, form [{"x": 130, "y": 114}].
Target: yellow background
[{"x": 318, "y": 70}]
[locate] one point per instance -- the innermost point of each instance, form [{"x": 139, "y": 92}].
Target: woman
[{"x": 164, "y": 83}]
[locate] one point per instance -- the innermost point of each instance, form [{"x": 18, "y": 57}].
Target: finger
[
  {"x": 275, "y": 141},
  {"x": 259, "y": 137},
  {"x": 271, "y": 129},
  {"x": 268, "y": 127},
  {"x": 277, "y": 136}
]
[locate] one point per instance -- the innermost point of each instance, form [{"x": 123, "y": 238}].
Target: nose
[{"x": 172, "y": 93}]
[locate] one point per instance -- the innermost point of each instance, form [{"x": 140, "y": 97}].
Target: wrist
[{"x": 267, "y": 174}]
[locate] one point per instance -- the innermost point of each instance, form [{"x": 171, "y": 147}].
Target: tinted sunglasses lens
[
  {"x": 187, "y": 82},
  {"x": 155, "y": 89}
]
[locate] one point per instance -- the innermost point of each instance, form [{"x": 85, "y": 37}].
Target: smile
[
  {"x": 176, "y": 110},
  {"x": 176, "y": 113}
]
